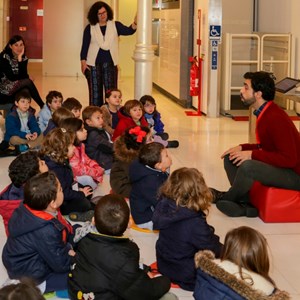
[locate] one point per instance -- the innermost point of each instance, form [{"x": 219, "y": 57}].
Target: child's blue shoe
[
  {"x": 62, "y": 294},
  {"x": 23, "y": 148}
]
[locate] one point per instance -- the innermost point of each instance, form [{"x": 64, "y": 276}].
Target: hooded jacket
[
  {"x": 35, "y": 246},
  {"x": 125, "y": 121},
  {"x": 119, "y": 174},
  {"x": 145, "y": 183},
  {"x": 215, "y": 283},
  {"x": 182, "y": 232}
]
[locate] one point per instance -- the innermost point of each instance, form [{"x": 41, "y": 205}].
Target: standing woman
[
  {"x": 13, "y": 72},
  {"x": 99, "y": 52}
]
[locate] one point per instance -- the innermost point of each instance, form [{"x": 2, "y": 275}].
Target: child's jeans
[
  {"x": 57, "y": 282},
  {"x": 85, "y": 180},
  {"x": 148, "y": 225}
]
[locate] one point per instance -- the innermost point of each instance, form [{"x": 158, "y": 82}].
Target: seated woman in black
[{"x": 13, "y": 72}]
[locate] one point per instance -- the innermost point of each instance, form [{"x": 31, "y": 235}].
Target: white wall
[
  {"x": 63, "y": 27},
  {"x": 64, "y": 22}
]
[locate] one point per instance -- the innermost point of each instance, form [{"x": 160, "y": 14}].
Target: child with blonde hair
[
  {"x": 57, "y": 149},
  {"x": 242, "y": 272},
  {"x": 180, "y": 217}
]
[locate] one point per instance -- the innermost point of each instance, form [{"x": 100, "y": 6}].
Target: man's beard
[{"x": 247, "y": 102}]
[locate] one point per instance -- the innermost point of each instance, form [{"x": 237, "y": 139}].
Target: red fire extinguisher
[{"x": 194, "y": 76}]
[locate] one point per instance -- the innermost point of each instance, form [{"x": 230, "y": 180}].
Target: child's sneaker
[
  {"x": 62, "y": 294},
  {"x": 173, "y": 144},
  {"x": 81, "y": 216},
  {"x": 23, "y": 148}
]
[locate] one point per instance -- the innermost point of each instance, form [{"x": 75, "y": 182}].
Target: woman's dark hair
[
  {"x": 93, "y": 12},
  {"x": 73, "y": 125},
  {"x": 14, "y": 39}
]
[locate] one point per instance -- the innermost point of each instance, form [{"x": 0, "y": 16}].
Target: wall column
[{"x": 143, "y": 54}]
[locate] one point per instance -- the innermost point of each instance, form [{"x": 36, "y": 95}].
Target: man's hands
[{"x": 237, "y": 156}]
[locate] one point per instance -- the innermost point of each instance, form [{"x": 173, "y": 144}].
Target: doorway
[{"x": 26, "y": 19}]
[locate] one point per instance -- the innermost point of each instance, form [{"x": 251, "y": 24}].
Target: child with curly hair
[
  {"x": 180, "y": 217},
  {"x": 126, "y": 150},
  {"x": 57, "y": 149}
]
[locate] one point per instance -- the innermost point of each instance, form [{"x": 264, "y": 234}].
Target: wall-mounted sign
[
  {"x": 39, "y": 12},
  {"x": 23, "y": 7},
  {"x": 22, "y": 28},
  {"x": 215, "y": 32}
]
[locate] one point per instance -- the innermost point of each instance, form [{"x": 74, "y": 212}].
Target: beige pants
[{"x": 16, "y": 140}]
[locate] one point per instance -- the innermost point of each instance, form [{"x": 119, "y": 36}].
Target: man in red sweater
[{"x": 274, "y": 160}]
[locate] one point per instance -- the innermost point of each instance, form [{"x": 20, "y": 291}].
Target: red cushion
[
  {"x": 274, "y": 204},
  {"x": 155, "y": 272}
]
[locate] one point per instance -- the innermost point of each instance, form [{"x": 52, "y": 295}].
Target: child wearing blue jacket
[
  {"x": 39, "y": 242},
  {"x": 21, "y": 126},
  {"x": 147, "y": 175},
  {"x": 180, "y": 217}
]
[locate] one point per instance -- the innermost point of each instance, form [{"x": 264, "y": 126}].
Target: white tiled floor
[{"x": 202, "y": 141}]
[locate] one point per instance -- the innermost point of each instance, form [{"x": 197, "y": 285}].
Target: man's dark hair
[
  {"x": 150, "y": 154},
  {"x": 263, "y": 82},
  {"x": 112, "y": 215},
  {"x": 40, "y": 190},
  {"x": 23, "y": 167}
]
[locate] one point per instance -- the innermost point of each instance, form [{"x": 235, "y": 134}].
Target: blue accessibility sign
[{"x": 215, "y": 31}]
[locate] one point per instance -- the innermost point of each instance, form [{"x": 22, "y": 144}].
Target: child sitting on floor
[
  {"x": 21, "y": 127},
  {"x": 54, "y": 100},
  {"x": 113, "y": 99},
  {"x": 38, "y": 245},
  {"x": 25, "y": 290},
  {"x": 130, "y": 115},
  {"x": 22, "y": 168},
  {"x": 98, "y": 144},
  {"x": 180, "y": 217},
  {"x": 86, "y": 171},
  {"x": 73, "y": 105},
  {"x": 147, "y": 175},
  {"x": 113, "y": 259},
  {"x": 153, "y": 118},
  {"x": 126, "y": 150},
  {"x": 58, "y": 116},
  {"x": 57, "y": 149},
  {"x": 242, "y": 272}
]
